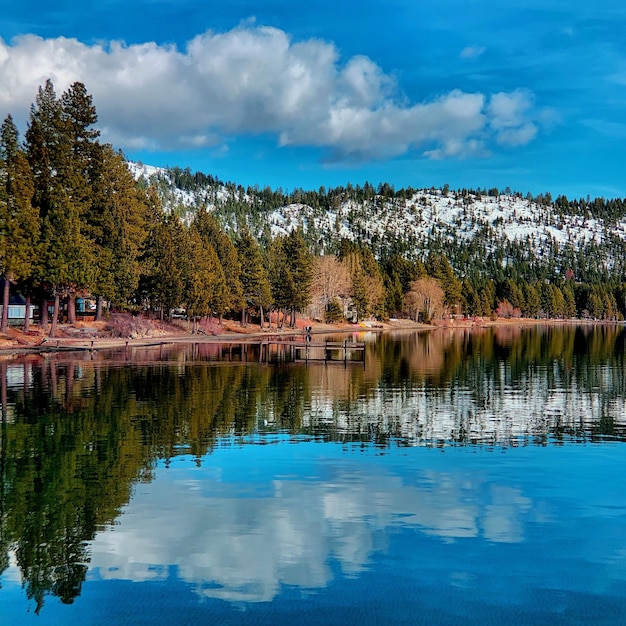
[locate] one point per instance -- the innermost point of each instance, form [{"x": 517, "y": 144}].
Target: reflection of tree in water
[
  {"x": 68, "y": 465},
  {"x": 79, "y": 435}
]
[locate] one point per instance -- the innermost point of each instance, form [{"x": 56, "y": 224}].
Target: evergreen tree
[
  {"x": 117, "y": 224},
  {"x": 438, "y": 266},
  {"x": 532, "y": 301},
  {"x": 595, "y": 305},
  {"x": 360, "y": 299},
  {"x": 165, "y": 266},
  {"x": 570, "y": 301},
  {"x": 19, "y": 220},
  {"x": 205, "y": 286},
  {"x": 515, "y": 295},
  {"x": 253, "y": 277},
  {"x": 300, "y": 267},
  {"x": 472, "y": 301},
  {"x": 212, "y": 234},
  {"x": 44, "y": 142},
  {"x": 62, "y": 195},
  {"x": 559, "y": 302},
  {"x": 281, "y": 279}
]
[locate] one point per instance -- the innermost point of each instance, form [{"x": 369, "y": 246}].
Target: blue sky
[{"x": 473, "y": 93}]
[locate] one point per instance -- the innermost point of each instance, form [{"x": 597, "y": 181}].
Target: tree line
[{"x": 74, "y": 221}]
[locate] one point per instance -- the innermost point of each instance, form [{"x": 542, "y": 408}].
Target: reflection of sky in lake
[
  {"x": 252, "y": 520},
  {"x": 469, "y": 534}
]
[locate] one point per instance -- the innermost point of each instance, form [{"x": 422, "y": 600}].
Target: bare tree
[
  {"x": 425, "y": 299},
  {"x": 331, "y": 279}
]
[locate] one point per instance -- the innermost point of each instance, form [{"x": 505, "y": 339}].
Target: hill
[{"x": 486, "y": 233}]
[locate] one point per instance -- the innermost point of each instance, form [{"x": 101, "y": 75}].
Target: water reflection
[
  {"x": 294, "y": 531},
  {"x": 83, "y": 436}
]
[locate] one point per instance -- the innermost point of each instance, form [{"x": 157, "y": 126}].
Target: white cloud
[
  {"x": 472, "y": 52},
  {"x": 254, "y": 80},
  {"x": 511, "y": 117}
]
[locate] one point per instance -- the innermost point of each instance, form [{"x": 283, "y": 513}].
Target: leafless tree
[
  {"x": 425, "y": 299},
  {"x": 331, "y": 279}
]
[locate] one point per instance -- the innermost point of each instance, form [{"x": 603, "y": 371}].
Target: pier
[{"x": 346, "y": 352}]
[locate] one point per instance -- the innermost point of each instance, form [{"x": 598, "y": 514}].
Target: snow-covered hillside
[{"x": 410, "y": 224}]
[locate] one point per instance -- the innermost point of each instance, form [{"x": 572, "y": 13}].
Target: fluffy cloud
[
  {"x": 510, "y": 118},
  {"x": 253, "y": 80}
]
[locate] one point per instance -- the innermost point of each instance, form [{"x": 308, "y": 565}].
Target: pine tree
[
  {"x": 532, "y": 300},
  {"x": 57, "y": 149},
  {"x": 438, "y": 266},
  {"x": 205, "y": 285},
  {"x": 19, "y": 220},
  {"x": 570, "y": 301},
  {"x": 197, "y": 280},
  {"x": 300, "y": 267},
  {"x": 44, "y": 144},
  {"x": 282, "y": 285},
  {"x": 212, "y": 234},
  {"x": 254, "y": 279},
  {"x": 117, "y": 224},
  {"x": 171, "y": 256}
]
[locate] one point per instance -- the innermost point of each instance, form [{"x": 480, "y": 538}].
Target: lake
[{"x": 456, "y": 476}]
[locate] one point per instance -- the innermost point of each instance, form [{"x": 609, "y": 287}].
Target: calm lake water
[{"x": 455, "y": 478}]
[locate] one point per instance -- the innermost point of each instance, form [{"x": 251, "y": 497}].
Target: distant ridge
[{"x": 477, "y": 230}]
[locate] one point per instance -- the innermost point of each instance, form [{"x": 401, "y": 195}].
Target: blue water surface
[
  {"x": 301, "y": 531},
  {"x": 452, "y": 478}
]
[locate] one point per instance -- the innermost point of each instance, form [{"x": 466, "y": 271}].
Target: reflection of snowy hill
[{"x": 494, "y": 414}]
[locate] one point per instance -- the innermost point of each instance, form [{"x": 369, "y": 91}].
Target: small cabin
[{"x": 17, "y": 307}]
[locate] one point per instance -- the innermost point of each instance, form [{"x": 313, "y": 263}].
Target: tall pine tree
[{"x": 19, "y": 220}]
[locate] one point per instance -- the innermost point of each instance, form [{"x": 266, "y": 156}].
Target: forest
[{"x": 75, "y": 222}]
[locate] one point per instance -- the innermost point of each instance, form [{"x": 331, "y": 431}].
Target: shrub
[
  {"x": 506, "y": 310},
  {"x": 334, "y": 312}
]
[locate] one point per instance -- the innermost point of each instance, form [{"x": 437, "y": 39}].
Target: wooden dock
[
  {"x": 274, "y": 350},
  {"x": 346, "y": 352}
]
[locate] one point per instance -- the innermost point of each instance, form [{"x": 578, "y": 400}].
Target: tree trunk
[
  {"x": 44, "y": 312},
  {"x": 98, "y": 308},
  {"x": 4, "y": 324},
  {"x": 71, "y": 308},
  {"x": 243, "y": 316},
  {"x": 3, "y": 399},
  {"x": 262, "y": 320},
  {"x": 27, "y": 314},
  {"x": 55, "y": 315}
]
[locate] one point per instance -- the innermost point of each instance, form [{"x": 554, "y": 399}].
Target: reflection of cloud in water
[{"x": 234, "y": 545}]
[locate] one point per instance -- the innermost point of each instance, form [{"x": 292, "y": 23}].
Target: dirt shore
[{"x": 97, "y": 336}]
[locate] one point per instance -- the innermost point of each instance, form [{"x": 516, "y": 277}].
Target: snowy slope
[{"x": 428, "y": 215}]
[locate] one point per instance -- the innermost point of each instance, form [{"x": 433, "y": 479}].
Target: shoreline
[
  {"x": 15, "y": 342},
  {"x": 37, "y": 341}
]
